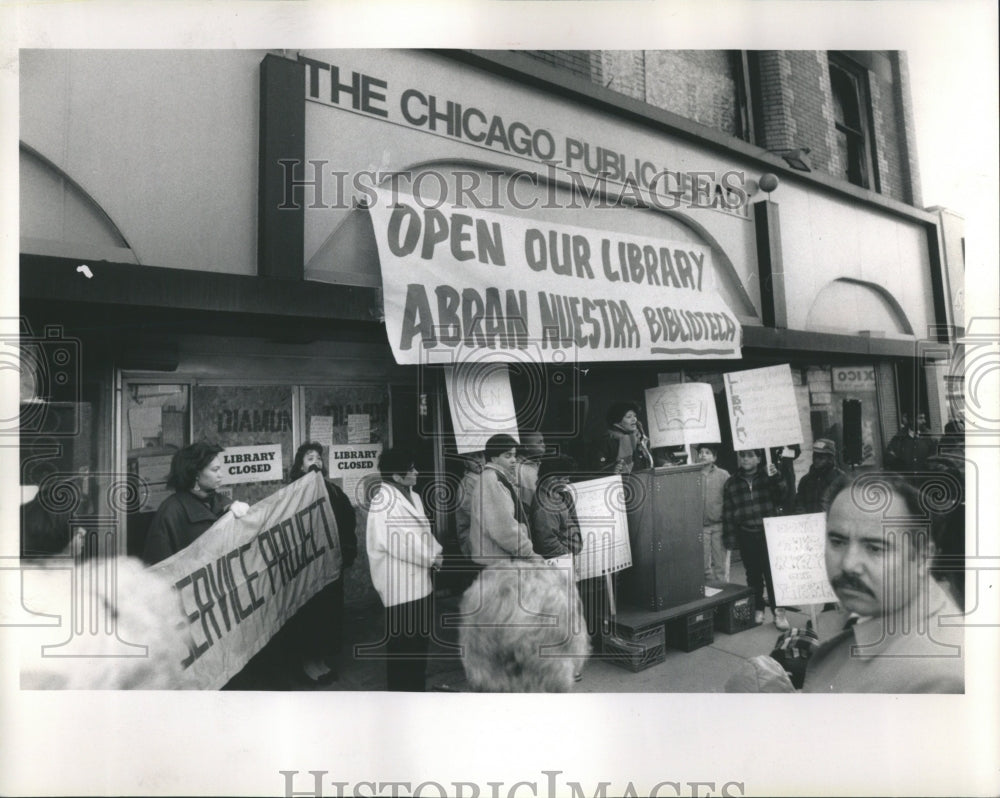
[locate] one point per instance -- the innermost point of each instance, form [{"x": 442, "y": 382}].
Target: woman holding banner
[
  {"x": 314, "y": 635},
  {"x": 401, "y": 553},
  {"x": 195, "y": 475}
]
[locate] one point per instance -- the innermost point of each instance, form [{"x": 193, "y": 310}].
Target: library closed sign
[{"x": 251, "y": 464}]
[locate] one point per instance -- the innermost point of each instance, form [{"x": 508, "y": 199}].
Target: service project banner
[
  {"x": 682, "y": 413},
  {"x": 242, "y": 579},
  {"x": 600, "y": 509},
  {"x": 763, "y": 410},
  {"x": 456, "y": 281},
  {"x": 796, "y": 547}
]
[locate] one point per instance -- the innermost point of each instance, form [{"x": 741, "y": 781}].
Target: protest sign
[
  {"x": 796, "y": 546},
  {"x": 481, "y": 403},
  {"x": 242, "y": 579},
  {"x": 763, "y": 410},
  {"x": 460, "y": 280},
  {"x": 683, "y": 413},
  {"x": 600, "y": 509},
  {"x": 242, "y": 464},
  {"x": 353, "y": 463}
]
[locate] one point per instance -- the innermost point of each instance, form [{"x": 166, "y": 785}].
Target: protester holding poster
[
  {"x": 498, "y": 520},
  {"x": 314, "y": 635},
  {"x": 401, "y": 553},
  {"x": 749, "y": 496},
  {"x": 623, "y": 447},
  {"x": 195, "y": 475}
]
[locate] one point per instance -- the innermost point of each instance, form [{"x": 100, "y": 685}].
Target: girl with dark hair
[
  {"x": 195, "y": 475},
  {"x": 315, "y": 634},
  {"x": 401, "y": 553},
  {"x": 623, "y": 447},
  {"x": 499, "y": 521}
]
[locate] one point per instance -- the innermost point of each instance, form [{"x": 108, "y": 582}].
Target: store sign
[
  {"x": 251, "y": 464},
  {"x": 244, "y": 578},
  {"x": 854, "y": 379},
  {"x": 387, "y": 90},
  {"x": 462, "y": 281}
]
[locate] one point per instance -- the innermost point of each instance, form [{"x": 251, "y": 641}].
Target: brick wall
[{"x": 794, "y": 109}]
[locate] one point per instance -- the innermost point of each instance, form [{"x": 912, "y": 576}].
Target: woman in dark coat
[
  {"x": 195, "y": 475},
  {"x": 315, "y": 634},
  {"x": 623, "y": 447}
]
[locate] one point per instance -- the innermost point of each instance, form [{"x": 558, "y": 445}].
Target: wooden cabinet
[{"x": 664, "y": 508}]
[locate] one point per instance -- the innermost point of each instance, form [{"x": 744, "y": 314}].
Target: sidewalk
[{"x": 704, "y": 670}]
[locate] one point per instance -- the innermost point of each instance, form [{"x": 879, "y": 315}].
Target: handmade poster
[
  {"x": 600, "y": 508},
  {"x": 796, "y": 546},
  {"x": 359, "y": 428},
  {"x": 763, "y": 409},
  {"x": 682, "y": 414},
  {"x": 481, "y": 403},
  {"x": 321, "y": 430}
]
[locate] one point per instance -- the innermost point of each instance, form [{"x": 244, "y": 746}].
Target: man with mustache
[{"x": 901, "y": 631}]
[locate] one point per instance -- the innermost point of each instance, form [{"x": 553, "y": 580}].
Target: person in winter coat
[
  {"x": 401, "y": 553},
  {"x": 623, "y": 447},
  {"x": 315, "y": 633},
  {"x": 498, "y": 527},
  {"x": 823, "y": 480},
  {"x": 752, "y": 494}
]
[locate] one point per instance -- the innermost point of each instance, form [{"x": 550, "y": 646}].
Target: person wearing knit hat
[{"x": 823, "y": 480}]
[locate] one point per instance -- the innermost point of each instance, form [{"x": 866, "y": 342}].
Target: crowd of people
[{"x": 518, "y": 534}]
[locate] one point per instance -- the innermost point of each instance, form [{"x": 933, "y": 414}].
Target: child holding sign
[{"x": 749, "y": 496}]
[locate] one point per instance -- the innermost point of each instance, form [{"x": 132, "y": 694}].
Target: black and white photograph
[{"x": 393, "y": 406}]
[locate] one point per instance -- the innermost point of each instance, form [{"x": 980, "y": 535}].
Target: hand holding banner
[{"x": 243, "y": 578}]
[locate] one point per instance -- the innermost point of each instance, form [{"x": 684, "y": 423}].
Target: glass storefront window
[
  {"x": 252, "y": 418},
  {"x": 157, "y": 424}
]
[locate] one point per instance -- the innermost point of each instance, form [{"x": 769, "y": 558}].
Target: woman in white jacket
[{"x": 401, "y": 552}]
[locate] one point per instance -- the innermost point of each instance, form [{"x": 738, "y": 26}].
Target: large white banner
[
  {"x": 763, "y": 410},
  {"x": 242, "y": 579},
  {"x": 465, "y": 280},
  {"x": 600, "y": 509}
]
